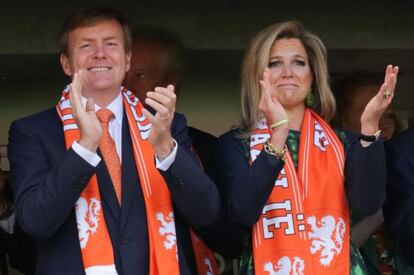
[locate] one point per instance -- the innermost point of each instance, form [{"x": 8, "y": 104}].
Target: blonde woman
[{"x": 287, "y": 175}]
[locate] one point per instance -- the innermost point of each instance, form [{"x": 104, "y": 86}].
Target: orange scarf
[
  {"x": 96, "y": 247},
  {"x": 304, "y": 226}
]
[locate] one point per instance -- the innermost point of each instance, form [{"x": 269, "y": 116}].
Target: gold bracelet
[
  {"x": 272, "y": 150},
  {"x": 377, "y": 134},
  {"x": 277, "y": 124}
]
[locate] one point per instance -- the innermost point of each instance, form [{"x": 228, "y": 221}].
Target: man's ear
[
  {"x": 128, "y": 61},
  {"x": 64, "y": 62}
]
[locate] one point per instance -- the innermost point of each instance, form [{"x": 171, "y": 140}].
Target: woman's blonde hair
[{"x": 256, "y": 60}]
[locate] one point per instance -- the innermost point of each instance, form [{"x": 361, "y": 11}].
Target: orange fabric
[
  {"x": 93, "y": 233},
  {"x": 304, "y": 226},
  {"x": 160, "y": 216},
  {"x": 108, "y": 150},
  {"x": 205, "y": 261}
]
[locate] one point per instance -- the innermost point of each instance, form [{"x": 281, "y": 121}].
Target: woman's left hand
[{"x": 377, "y": 105}]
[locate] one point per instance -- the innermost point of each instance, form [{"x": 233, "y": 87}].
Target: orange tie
[{"x": 108, "y": 150}]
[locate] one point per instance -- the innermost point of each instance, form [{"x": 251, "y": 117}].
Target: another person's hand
[
  {"x": 162, "y": 100},
  {"x": 377, "y": 105},
  {"x": 88, "y": 123},
  {"x": 273, "y": 111}
]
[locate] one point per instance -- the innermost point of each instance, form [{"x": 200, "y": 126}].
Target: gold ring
[{"x": 386, "y": 94}]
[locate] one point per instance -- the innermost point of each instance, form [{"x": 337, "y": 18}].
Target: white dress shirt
[{"x": 115, "y": 131}]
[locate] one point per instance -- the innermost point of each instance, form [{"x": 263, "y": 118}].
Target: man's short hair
[
  {"x": 92, "y": 16},
  {"x": 170, "y": 43}
]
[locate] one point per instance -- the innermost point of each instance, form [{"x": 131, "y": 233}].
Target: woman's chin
[{"x": 291, "y": 103}]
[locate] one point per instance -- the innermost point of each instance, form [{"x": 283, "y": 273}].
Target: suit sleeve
[
  {"x": 192, "y": 191},
  {"x": 246, "y": 187},
  {"x": 46, "y": 183},
  {"x": 365, "y": 177},
  {"x": 399, "y": 206}
]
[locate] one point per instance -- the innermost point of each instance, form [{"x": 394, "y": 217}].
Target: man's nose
[{"x": 100, "y": 51}]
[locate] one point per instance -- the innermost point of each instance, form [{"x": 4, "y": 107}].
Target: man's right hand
[{"x": 88, "y": 123}]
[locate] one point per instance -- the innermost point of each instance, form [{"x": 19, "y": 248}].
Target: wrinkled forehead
[
  {"x": 288, "y": 47},
  {"x": 107, "y": 29}
]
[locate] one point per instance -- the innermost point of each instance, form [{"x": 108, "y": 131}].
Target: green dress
[{"x": 246, "y": 264}]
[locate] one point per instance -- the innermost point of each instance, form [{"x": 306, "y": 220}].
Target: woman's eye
[
  {"x": 300, "y": 63},
  {"x": 274, "y": 64}
]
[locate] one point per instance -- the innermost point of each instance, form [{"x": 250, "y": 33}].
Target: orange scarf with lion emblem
[
  {"x": 304, "y": 226},
  {"x": 96, "y": 247}
]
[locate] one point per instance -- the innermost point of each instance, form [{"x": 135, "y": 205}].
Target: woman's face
[{"x": 291, "y": 74}]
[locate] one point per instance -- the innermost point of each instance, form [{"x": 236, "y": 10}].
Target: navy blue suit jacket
[
  {"x": 246, "y": 187},
  {"x": 48, "y": 180},
  {"x": 249, "y": 186},
  {"x": 399, "y": 205}
]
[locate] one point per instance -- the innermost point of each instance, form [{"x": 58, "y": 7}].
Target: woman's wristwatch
[
  {"x": 372, "y": 138},
  {"x": 272, "y": 150}
]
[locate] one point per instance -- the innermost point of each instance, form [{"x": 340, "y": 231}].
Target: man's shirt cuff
[
  {"x": 166, "y": 163},
  {"x": 91, "y": 158}
]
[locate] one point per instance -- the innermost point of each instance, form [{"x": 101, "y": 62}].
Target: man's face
[
  {"x": 147, "y": 68},
  {"x": 351, "y": 119},
  {"x": 99, "y": 51}
]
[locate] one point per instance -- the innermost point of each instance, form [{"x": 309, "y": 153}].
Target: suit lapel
[{"x": 130, "y": 180}]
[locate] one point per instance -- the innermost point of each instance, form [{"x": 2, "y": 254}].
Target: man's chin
[{"x": 104, "y": 86}]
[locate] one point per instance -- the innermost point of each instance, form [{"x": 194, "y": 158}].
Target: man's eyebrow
[
  {"x": 93, "y": 39},
  {"x": 111, "y": 38},
  {"x": 86, "y": 39}
]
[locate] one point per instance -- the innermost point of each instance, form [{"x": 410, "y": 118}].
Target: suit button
[
  {"x": 124, "y": 240},
  {"x": 179, "y": 179}
]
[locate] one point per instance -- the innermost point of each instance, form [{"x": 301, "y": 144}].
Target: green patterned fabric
[
  {"x": 246, "y": 259},
  {"x": 357, "y": 262},
  {"x": 292, "y": 143},
  {"x": 246, "y": 265}
]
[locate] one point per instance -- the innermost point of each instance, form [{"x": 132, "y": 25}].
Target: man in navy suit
[
  {"x": 158, "y": 59},
  {"x": 399, "y": 206},
  {"x": 49, "y": 179}
]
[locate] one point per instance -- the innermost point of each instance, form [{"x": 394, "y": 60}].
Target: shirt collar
[{"x": 116, "y": 107}]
